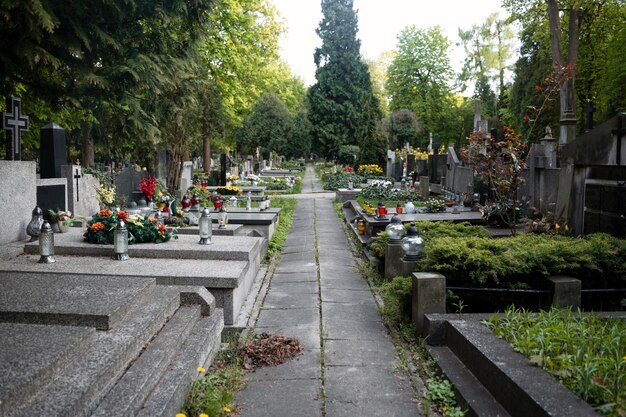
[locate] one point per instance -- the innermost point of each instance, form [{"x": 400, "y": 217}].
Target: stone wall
[{"x": 18, "y": 190}]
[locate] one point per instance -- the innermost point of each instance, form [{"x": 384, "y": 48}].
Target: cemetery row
[{"x": 114, "y": 315}]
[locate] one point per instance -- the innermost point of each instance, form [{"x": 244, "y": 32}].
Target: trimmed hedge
[{"x": 598, "y": 260}]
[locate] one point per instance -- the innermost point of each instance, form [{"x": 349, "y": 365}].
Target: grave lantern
[
  {"x": 34, "y": 226},
  {"x": 46, "y": 244},
  {"x": 120, "y": 242},
  {"x": 232, "y": 202},
  {"x": 350, "y": 185},
  {"x": 412, "y": 244},
  {"x": 249, "y": 201},
  {"x": 222, "y": 218},
  {"x": 205, "y": 227},
  {"x": 395, "y": 230}
]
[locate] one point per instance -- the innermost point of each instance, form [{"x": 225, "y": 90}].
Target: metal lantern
[
  {"x": 120, "y": 242},
  {"x": 232, "y": 202},
  {"x": 34, "y": 226},
  {"x": 205, "y": 227},
  {"x": 222, "y": 218},
  {"x": 395, "y": 230},
  {"x": 350, "y": 185},
  {"x": 412, "y": 244},
  {"x": 46, "y": 244}
]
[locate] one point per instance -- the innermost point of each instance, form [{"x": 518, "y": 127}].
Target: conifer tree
[{"x": 343, "y": 108}]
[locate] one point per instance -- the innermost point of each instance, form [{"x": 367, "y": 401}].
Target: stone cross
[
  {"x": 77, "y": 177},
  {"x": 619, "y": 132},
  {"x": 14, "y": 124},
  {"x": 589, "y": 108}
]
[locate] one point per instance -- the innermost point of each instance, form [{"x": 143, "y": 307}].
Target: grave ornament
[{"x": 14, "y": 124}]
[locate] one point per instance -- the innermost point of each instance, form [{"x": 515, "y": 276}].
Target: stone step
[
  {"x": 198, "y": 351},
  {"x": 520, "y": 387},
  {"x": 80, "y": 383},
  {"x": 470, "y": 393},
  {"x": 177, "y": 342}
]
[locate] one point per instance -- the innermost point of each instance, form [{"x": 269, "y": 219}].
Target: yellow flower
[
  {"x": 226, "y": 409},
  {"x": 201, "y": 370},
  {"x": 181, "y": 415},
  {"x": 557, "y": 226},
  {"x": 203, "y": 415}
]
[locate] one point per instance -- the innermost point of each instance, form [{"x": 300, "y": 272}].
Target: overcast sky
[{"x": 380, "y": 22}]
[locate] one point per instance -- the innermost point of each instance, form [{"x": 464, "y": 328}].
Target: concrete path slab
[{"x": 349, "y": 346}]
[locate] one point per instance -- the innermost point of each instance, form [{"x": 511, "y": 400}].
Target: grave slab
[
  {"x": 68, "y": 300},
  {"x": 228, "y": 281}
]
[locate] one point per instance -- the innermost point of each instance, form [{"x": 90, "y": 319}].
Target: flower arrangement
[
  {"x": 147, "y": 186},
  {"x": 370, "y": 170},
  {"x": 229, "y": 190},
  {"x": 348, "y": 169},
  {"x": 232, "y": 177},
  {"x": 59, "y": 216},
  {"x": 101, "y": 227},
  {"x": 434, "y": 205},
  {"x": 105, "y": 195}
]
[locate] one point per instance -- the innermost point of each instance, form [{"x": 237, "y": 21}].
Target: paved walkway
[{"x": 346, "y": 369}]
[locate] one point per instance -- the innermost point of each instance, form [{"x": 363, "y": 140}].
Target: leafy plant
[
  {"x": 441, "y": 395},
  {"x": 434, "y": 205},
  {"x": 341, "y": 180},
  {"x": 585, "y": 352}
]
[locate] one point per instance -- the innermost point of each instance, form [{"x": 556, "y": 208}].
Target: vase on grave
[{"x": 63, "y": 227}]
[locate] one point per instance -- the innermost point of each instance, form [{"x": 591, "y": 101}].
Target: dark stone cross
[
  {"x": 589, "y": 108},
  {"x": 14, "y": 124},
  {"x": 619, "y": 132},
  {"x": 77, "y": 177}
]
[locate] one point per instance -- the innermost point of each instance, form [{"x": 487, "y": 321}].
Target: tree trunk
[
  {"x": 87, "y": 144},
  {"x": 206, "y": 155}
]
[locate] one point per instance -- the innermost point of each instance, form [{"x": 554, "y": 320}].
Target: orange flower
[
  {"x": 122, "y": 215},
  {"x": 152, "y": 219},
  {"x": 96, "y": 227},
  {"x": 105, "y": 213},
  {"x": 162, "y": 229}
]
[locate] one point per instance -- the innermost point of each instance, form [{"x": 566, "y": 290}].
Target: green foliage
[
  {"x": 288, "y": 206},
  {"x": 584, "y": 352},
  {"x": 341, "y": 179},
  {"x": 418, "y": 79},
  {"x": 101, "y": 227},
  {"x": 215, "y": 390},
  {"x": 441, "y": 396},
  {"x": 397, "y": 299},
  {"x": 343, "y": 108},
  {"x": 430, "y": 231},
  {"x": 269, "y": 126},
  {"x": 596, "y": 260},
  {"x": 299, "y": 143},
  {"x": 379, "y": 190}
]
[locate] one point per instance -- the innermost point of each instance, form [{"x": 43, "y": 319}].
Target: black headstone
[
  {"x": 52, "y": 151},
  {"x": 410, "y": 163},
  {"x": 51, "y": 197},
  {"x": 397, "y": 170},
  {"x": 223, "y": 169}
]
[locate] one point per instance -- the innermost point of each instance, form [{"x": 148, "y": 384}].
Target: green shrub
[
  {"x": 598, "y": 260},
  {"x": 397, "y": 298},
  {"x": 430, "y": 230},
  {"x": 341, "y": 179}
]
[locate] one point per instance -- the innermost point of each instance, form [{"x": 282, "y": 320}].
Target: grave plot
[
  {"x": 101, "y": 345},
  {"x": 228, "y": 267}
]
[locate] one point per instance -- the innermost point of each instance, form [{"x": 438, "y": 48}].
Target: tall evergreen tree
[{"x": 343, "y": 109}]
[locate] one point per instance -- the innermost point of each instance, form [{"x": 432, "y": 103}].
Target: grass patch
[
  {"x": 585, "y": 353},
  {"x": 288, "y": 206},
  {"x": 213, "y": 393}
]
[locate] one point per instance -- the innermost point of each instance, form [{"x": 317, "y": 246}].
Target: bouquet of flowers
[
  {"x": 101, "y": 227},
  {"x": 229, "y": 190},
  {"x": 59, "y": 216},
  {"x": 370, "y": 170},
  {"x": 105, "y": 195},
  {"x": 434, "y": 205},
  {"x": 147, "y": 186}
]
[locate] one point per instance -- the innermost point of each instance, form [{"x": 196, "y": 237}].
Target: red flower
[
  {"x": 348, "y": 169},
  {"x": 105, "y": 213},
  {"x": 147, "y": 186},
  {"x": 96, "y": 227},
  {"x": 122, "y": 215}
]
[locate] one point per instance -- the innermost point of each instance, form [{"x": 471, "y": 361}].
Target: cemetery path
[{"x": 317, "y": 296}]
